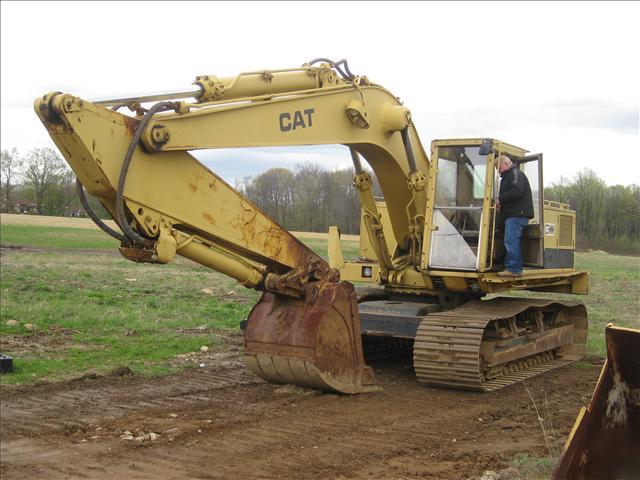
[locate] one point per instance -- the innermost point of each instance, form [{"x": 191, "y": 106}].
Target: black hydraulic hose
[
  {"x": 132, "y": 235},
  {"x": 103, "y": 226},
  {"x": 347, "y": 76},
  {"x": 346, "y": 67}
]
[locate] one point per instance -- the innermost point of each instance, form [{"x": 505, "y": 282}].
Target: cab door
[
  {"x": 457, "y": 215},
  {"x": 532, "y": 243}
]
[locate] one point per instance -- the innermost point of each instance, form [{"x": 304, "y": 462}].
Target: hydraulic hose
[
  {"x": 103, "y": 226},
  {"x": 131, "y": 234},
  {"x": 347, "y": 76}
]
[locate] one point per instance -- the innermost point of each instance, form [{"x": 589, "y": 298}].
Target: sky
[{"x": 558, "y": 78}]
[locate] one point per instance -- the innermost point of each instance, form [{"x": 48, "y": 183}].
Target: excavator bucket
[
  {"x": 314, "y": 342},
  {"x": 605, "y": 441}
]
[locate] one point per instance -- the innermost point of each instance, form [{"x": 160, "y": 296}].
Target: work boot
[{"x": 509, "y": 274}]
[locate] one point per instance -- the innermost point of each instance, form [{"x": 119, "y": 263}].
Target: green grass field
[
  {"x": 95, "y": 311},
  {"x": 56, "y": 237}
]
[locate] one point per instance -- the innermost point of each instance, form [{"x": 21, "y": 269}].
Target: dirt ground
[{"x": 221, "y": 422}]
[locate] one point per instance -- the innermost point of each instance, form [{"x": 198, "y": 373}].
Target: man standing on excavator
[{"x": 515, "y": 204}]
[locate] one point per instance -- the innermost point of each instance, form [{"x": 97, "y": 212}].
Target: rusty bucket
[{"x": 313, "y": 342}]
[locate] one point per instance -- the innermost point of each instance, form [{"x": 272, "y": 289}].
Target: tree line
[
  {"x": 311, "y": 198},
  {"x": 39, "y": 182},
  {"x": 607, "y": 217},
  {"x": 306, "y": 198}
]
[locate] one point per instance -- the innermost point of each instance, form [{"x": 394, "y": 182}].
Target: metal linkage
[
  {"x": 357, "y": 164},
  {"x": 411, "y": 159},
  {"x": 145, "y": 98},
  {"x": 132, "y": 235}
]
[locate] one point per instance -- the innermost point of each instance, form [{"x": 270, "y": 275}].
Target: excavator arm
[{"x": 305, "y": 329}]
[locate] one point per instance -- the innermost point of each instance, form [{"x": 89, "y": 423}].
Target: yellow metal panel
[
  {"x": 551, "y": 226},
  {"x": 456, "y": 284},
  {"x": 430, "y": 202},
  {"x": 352, "y": 272},
  {"x": 334, "y": 249},
  {"x": 580, "y": 284},
  {"x": 565, "y": 238},
  {"x": 488, "y": 213},
  {"x": 498, "y": 144},
  {"x": 366, "y": 250},
  {"x": 560, "y": 226}
]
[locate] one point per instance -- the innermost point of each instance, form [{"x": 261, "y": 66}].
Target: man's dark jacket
[{"x": 515, "y": 194}]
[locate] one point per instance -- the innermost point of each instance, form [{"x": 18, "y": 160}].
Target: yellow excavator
[{"x": 429, "y": 249}]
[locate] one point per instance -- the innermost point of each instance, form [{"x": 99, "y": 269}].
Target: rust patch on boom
[
  {"x": 131, "y": 124},
  {"x": 209, "y": 218}
]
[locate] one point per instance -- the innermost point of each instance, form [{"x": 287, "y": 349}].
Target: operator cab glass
[
  {"x": 466, "y": 229},
  {"x": 457, "y": 213}
]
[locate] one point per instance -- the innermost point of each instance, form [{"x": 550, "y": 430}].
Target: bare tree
[
  {"x": 69, "y": 192},
  {"x": 272, "y": 192},
  {"x": 608, "y": 217},
  {"x": 308, "y": 199},
  {"x": 309, "y": 196},
  {"x": 10, "y": 163},
  {"x": 589, "y": 192},
  {"x": 43, "y": 169}
]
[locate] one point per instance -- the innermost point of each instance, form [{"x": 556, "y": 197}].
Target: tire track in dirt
[
  {"x": 232, "y": 425},
  {"x": 27, "y": 413}
]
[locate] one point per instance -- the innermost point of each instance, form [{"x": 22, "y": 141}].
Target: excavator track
[{"x": 456, "y": 348}]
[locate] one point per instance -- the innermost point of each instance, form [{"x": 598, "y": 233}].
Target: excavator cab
[{"x": 466, "y": 232}]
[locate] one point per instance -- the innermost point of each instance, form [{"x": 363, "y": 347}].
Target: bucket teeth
[
  {"x": 314, "y": 344},
  {"x": 280, "y": 369}
]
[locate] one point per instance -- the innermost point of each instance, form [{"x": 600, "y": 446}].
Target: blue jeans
[{"x": 513, "y": 232}]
